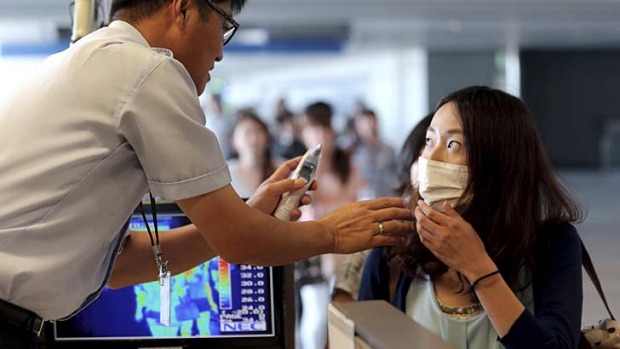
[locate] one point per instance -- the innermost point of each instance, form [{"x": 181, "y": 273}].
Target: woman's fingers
[
  {"x": 423, "y": 221},
  {"x": 427, "y": 238},
  {"x": 431, "y": 213}
]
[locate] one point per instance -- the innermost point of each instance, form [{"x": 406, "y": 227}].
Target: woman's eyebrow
[{"x": 450, "y": 131}]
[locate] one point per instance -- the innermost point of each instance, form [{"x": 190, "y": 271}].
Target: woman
[
  {"x": 341, "y": 184},
  {"x": 252, "y": 162},
  {"x": 503, "y": 267}
]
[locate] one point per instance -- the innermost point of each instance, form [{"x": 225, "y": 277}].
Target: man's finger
[
  {"x": 295, "y": 214},
  {"x": 288, "y": 185},
  {"x": 377, "y": 204},
  {"x": 388, "y": 214},
  {"x": 313, "y": 186},
  {"x": 396, "y": 228},
  {"x": 285, "y": 169},
  {"x": 305, "y": 200},
  {"x": 385, "y": 240}
]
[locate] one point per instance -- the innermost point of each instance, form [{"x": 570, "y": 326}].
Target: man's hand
[
  {"x": 268, "y": 194},
  {"x": 366, "y": 224}
]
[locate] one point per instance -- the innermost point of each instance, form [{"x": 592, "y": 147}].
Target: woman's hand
[
  {"x": 268, "y": 194},
  {"x": 453, "y": 240}
]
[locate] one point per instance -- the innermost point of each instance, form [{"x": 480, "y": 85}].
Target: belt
[{"x": 20, "y": 317}]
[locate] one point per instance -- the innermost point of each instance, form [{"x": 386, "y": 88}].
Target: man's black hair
[{"x": 136, "y": 10}]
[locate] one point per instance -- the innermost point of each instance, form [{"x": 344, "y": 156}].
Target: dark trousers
[{"x": 12, "y": 337}]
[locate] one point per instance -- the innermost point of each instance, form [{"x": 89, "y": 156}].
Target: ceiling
[{"x": 436, "y": 24}]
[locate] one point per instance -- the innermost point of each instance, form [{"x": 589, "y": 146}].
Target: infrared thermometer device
[{"x": 307, "y": 170}]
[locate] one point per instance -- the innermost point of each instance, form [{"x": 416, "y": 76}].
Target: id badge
[{"x": 164, "y": 299}]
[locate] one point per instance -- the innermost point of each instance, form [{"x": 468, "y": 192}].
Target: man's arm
[
  {"x": 241, "y": 234},
  {"x": 184, "y": 247}
]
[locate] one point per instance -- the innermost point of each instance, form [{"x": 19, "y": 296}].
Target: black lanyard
[
  {"x": 162, "y": 267},
  {"x": 146, "y": 222}
]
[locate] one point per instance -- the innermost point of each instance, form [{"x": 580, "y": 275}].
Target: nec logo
[{"x": 243, "y": 326}]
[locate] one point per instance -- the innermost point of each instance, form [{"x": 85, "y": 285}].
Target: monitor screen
[{"x": 215, "y": 304}]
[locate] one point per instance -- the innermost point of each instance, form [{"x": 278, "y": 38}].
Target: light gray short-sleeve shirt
[{"x": 80, "y": 144}]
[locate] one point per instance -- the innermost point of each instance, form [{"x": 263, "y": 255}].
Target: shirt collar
[{"x": 134, "y": 35}]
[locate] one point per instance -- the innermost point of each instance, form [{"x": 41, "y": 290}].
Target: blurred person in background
[
  {"x": 286, "y": 144},
  {"x": 220, "y": 122},
  {"x": 349, "y": 273},
  {"x": 341, "y": 184},
  {"x": 375, "y": 159},
  {"x": 251, "y": 161}
]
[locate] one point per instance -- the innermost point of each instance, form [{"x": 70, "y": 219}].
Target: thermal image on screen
[{"x": 214, "y": 299}]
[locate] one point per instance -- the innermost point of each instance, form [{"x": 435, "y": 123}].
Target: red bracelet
[{"x": 473, "y": 285}]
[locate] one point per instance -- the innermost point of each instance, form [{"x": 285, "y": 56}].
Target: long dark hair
[
  {"x": 410, "y": 152},
  {"x": 512, "y": 191}
]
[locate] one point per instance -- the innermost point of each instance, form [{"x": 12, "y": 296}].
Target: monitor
[{"x": 213, "y": 305}]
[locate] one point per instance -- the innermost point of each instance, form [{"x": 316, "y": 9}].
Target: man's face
[
  {"x": 201, "y": 43},
  {"x": 366, "y": 126}
]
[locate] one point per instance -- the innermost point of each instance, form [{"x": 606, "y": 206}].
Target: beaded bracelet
[{"x": 473, "y": 285}]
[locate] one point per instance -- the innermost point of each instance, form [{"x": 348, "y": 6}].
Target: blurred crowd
[{"x": 356, "y": 164}]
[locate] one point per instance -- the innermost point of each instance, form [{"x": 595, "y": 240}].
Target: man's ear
[{"x": 180, "y": 8}]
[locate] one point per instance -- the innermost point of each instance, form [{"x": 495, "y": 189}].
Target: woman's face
[
  {"x": 249, "y": 138},
  {"x": 445, "y": 141}
]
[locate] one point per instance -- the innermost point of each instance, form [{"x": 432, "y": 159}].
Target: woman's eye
[
  {"x": 428, "y": 141},
  {"x": 454, "y": 144}
]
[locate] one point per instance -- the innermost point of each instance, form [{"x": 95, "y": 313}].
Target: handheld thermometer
[{"x": 307, "y": 170}]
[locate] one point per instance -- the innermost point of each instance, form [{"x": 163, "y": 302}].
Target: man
[
  {"x": 375, "y": 159},
  {"x": 106, "y": 120}
]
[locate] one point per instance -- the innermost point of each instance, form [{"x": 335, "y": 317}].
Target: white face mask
[{"x": 439, "y": 182}]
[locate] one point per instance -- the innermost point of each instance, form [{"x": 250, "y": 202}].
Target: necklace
[{"x": 460, "y": 312}]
